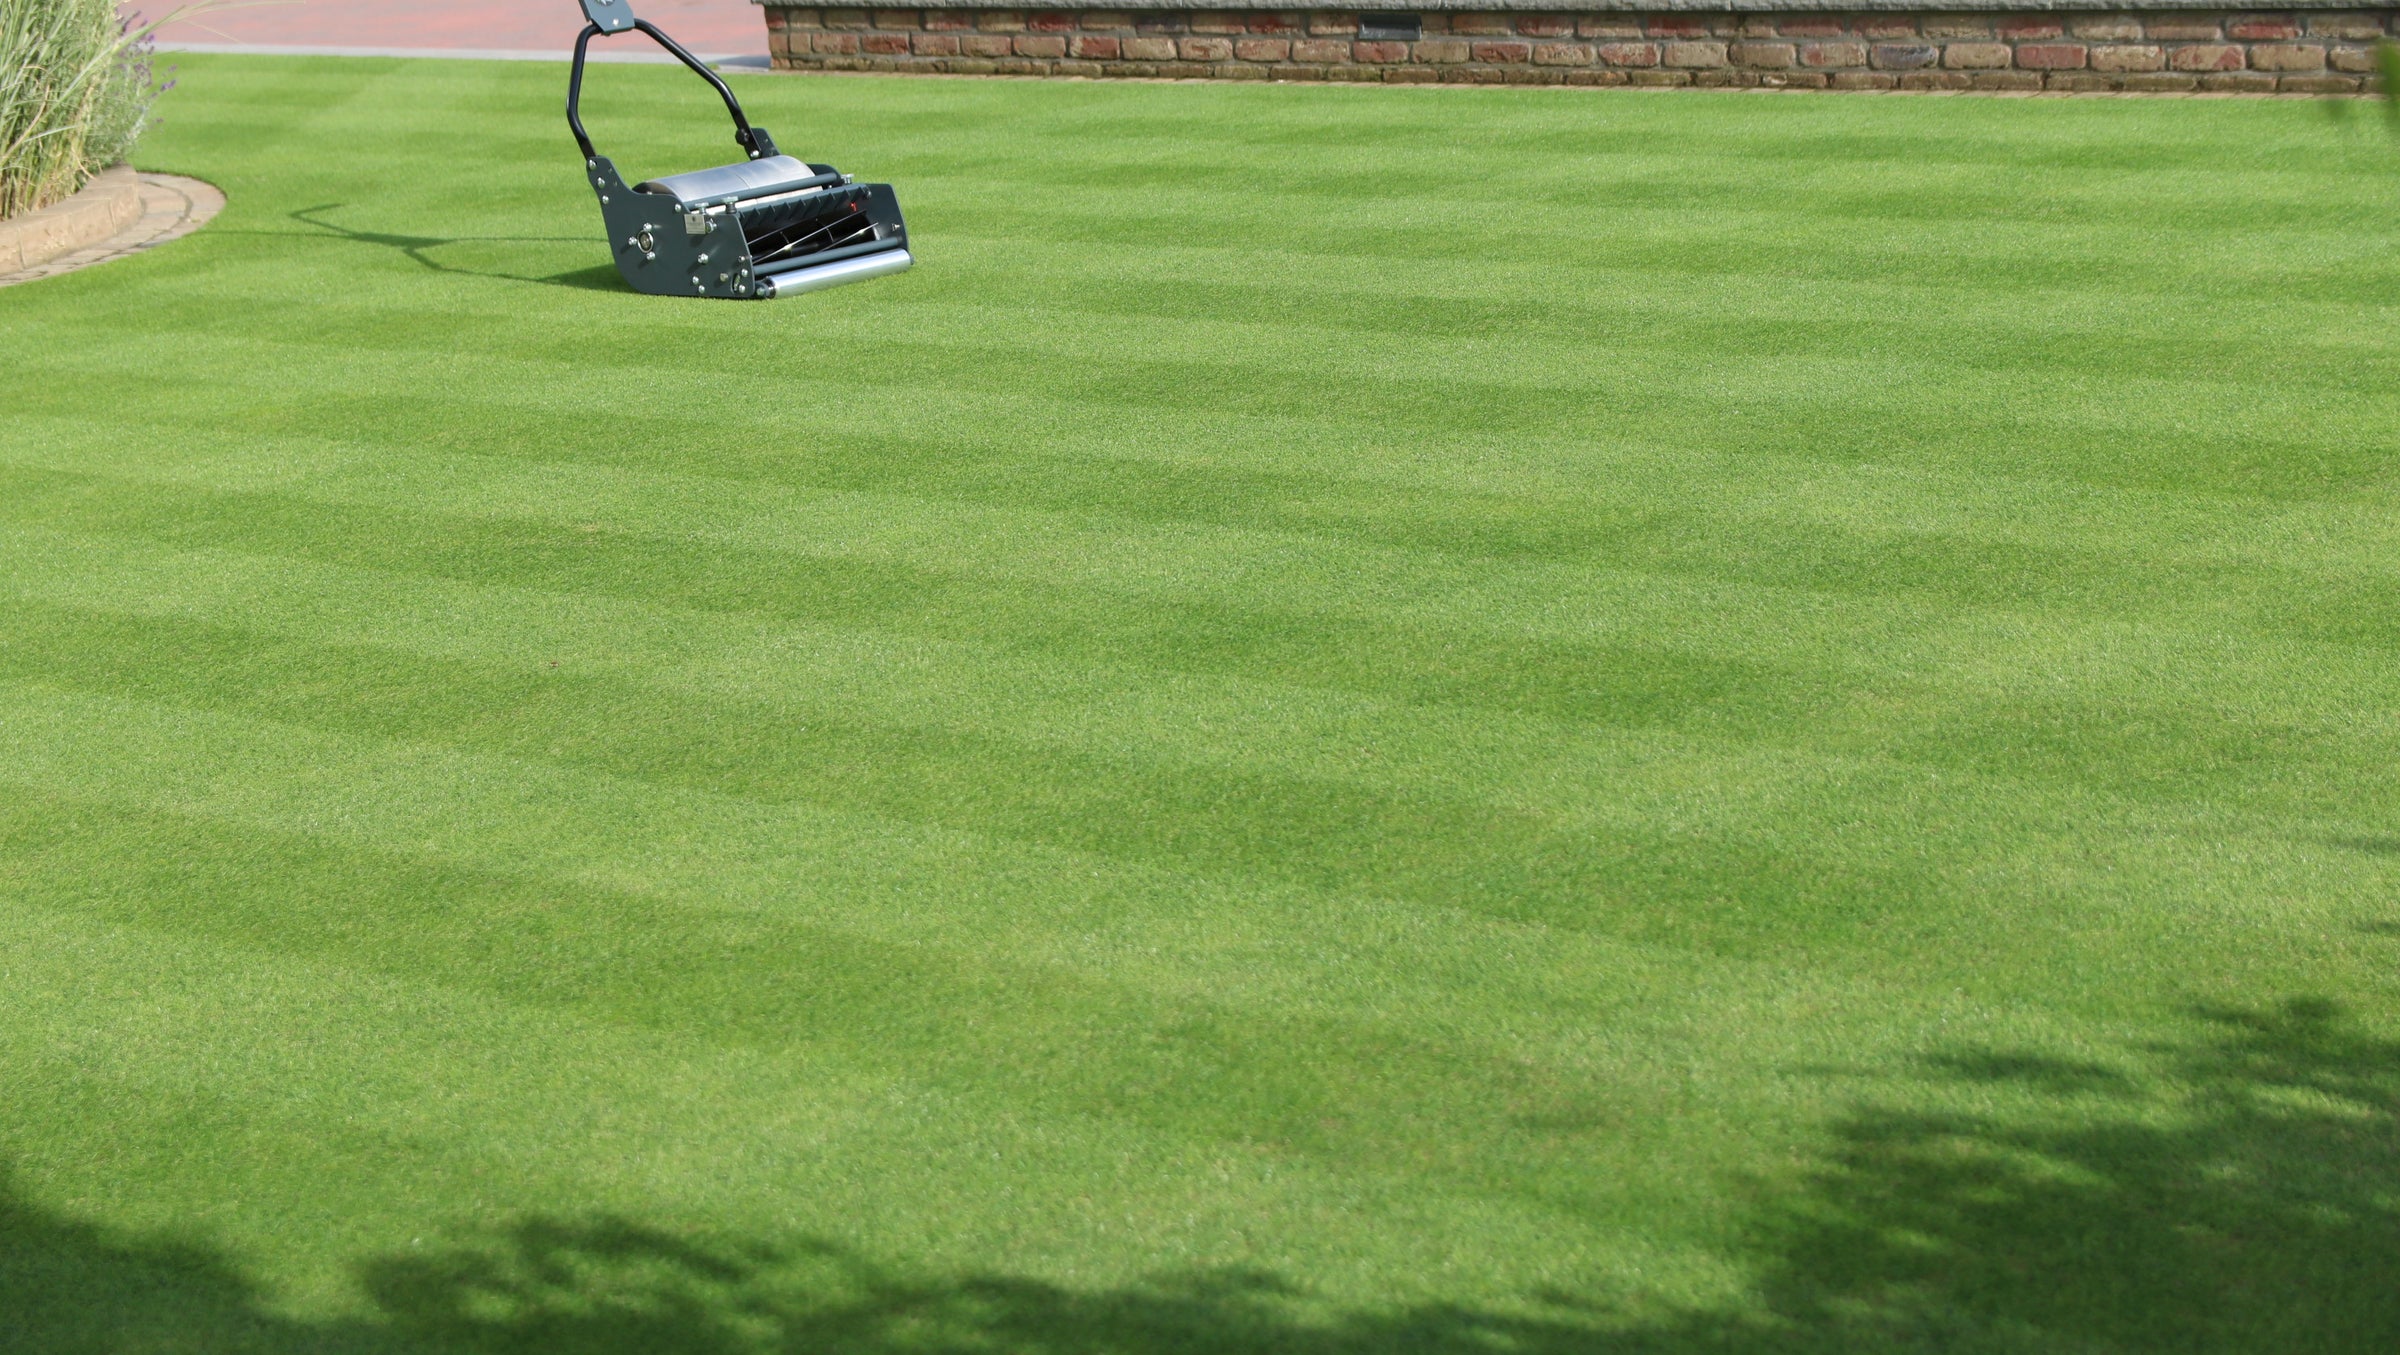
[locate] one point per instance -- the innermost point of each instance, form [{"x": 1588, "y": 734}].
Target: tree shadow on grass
[
  {"x": 601, "y": 278},
  {"x": 2235, "y": 1194}
]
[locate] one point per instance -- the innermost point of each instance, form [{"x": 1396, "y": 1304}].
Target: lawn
[{"x": 1356, "y": 720}]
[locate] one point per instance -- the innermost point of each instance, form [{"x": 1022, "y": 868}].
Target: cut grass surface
[{"x": 1357, "y": 720}]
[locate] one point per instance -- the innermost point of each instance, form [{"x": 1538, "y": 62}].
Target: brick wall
[{"x": 2308, "y": 52}]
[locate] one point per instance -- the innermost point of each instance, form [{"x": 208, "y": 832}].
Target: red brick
[
  {"x": 2129, "y": 57},
  {"x": 1608, "y": 26},
  {"x": 934, "y": 44},
  {"x": 1278, "y": 21},
  {"x": 1545, "y": 25},
  {"x": 2030, "y": 27},
  {"x": 1772, "y": 56},
  {"x": 1905, "y": 56},
  {"x": 1379, "y": 53},
  {"x": 834, "y": 44},
  {"x": 1599, "y": 77},
  {"x": 847, "y": 18},
  {"x": 1328, "y": 22},
  {"x": 1321, "y": 49},
  {"x": 1050, "y": 21},
  {"x": 884, "y": 44},
  {"x": 2206, "y": 57},
  {"x": 777, "y": 18},
  {"x": 1809, "y": 26},
  {"x": 949, "y": 20},
  {"x": 2354, "y": 27},
  {"x": 1480, "y": 24},
  {"x": 1629, "y": 53},
  {"x": 1956, "y": 26},
  {"x": 2107, "y": 28},
  {"x": 1694, "y": 55},
  {"x": 1204, "y": 49},
  {"x": 1262, "y": 49},
  {"x": 2261, "y": 27},
  {"x": 1886, "y": 26},
  {"x": 983, "y": 44},
  {"x": 1000, "y": 20},
  {"x": 2052, "y": 56},
  {"x": 1218, "y": 22},
  {"x": 1677, "y": 26},
  {"x": 2181, "y": 28},
  {"x": 2287, "y": 56},
  {"x": 1103, "y": 20},
  {"x": 1498, "y": 53},
  {"x": 1562, "y": 54},
  {"x": 1832, "y": 54},
  {"x": 1976, "y": 56},
  {"x": 1095, "y": 47}
]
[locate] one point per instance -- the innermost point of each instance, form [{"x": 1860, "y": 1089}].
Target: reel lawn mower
[{"x": 769, "y": 226}]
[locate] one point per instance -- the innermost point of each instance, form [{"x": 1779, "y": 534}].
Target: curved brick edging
[
  {"x": 166, "y": 207},
  {"x": 111, "y": 202},
  {"x": 1776, "y": 46}
]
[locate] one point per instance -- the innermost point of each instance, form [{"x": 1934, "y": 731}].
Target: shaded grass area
[
  {"x": 2166, "y": 1221},
  {"x": 1356, "y": 720}
]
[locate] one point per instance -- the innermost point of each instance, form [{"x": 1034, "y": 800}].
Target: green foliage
[{"x": 75, "y": 92}]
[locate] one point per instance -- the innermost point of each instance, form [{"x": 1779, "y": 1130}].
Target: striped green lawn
[{"x": 1357, "y": 720}]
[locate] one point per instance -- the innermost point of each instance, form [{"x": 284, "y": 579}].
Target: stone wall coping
[
  {"x": 1650, "y": 6},
  {"x": 111, "y": 202}
]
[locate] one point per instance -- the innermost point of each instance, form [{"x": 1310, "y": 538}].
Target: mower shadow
[
  {"x": 2233, "y": 1194},
  {"x": 602, "y": 278}
]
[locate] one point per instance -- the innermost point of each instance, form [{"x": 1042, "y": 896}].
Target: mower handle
[{"x": 616, "y": 16}]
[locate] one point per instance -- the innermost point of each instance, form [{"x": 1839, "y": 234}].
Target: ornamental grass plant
[{"x": 75, "y": 91}]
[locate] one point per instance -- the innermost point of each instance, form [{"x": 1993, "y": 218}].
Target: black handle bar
[{"x": 752, "y": 139}]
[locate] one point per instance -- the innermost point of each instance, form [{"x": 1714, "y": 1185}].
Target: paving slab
[{"x": 505, "y": 29}]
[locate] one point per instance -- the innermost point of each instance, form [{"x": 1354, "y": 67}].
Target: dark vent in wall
[{"x": 1391, "y": 27}]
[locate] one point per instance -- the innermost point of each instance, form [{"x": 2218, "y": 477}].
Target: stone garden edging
[
  {"x": 163, "y": 207},
  {"x": 111, "y": 202}
]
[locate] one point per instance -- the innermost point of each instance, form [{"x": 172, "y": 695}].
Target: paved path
[{"x": 494, "y": 28}]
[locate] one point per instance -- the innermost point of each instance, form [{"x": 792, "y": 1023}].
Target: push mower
[{"x": 769, "y": 226}]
